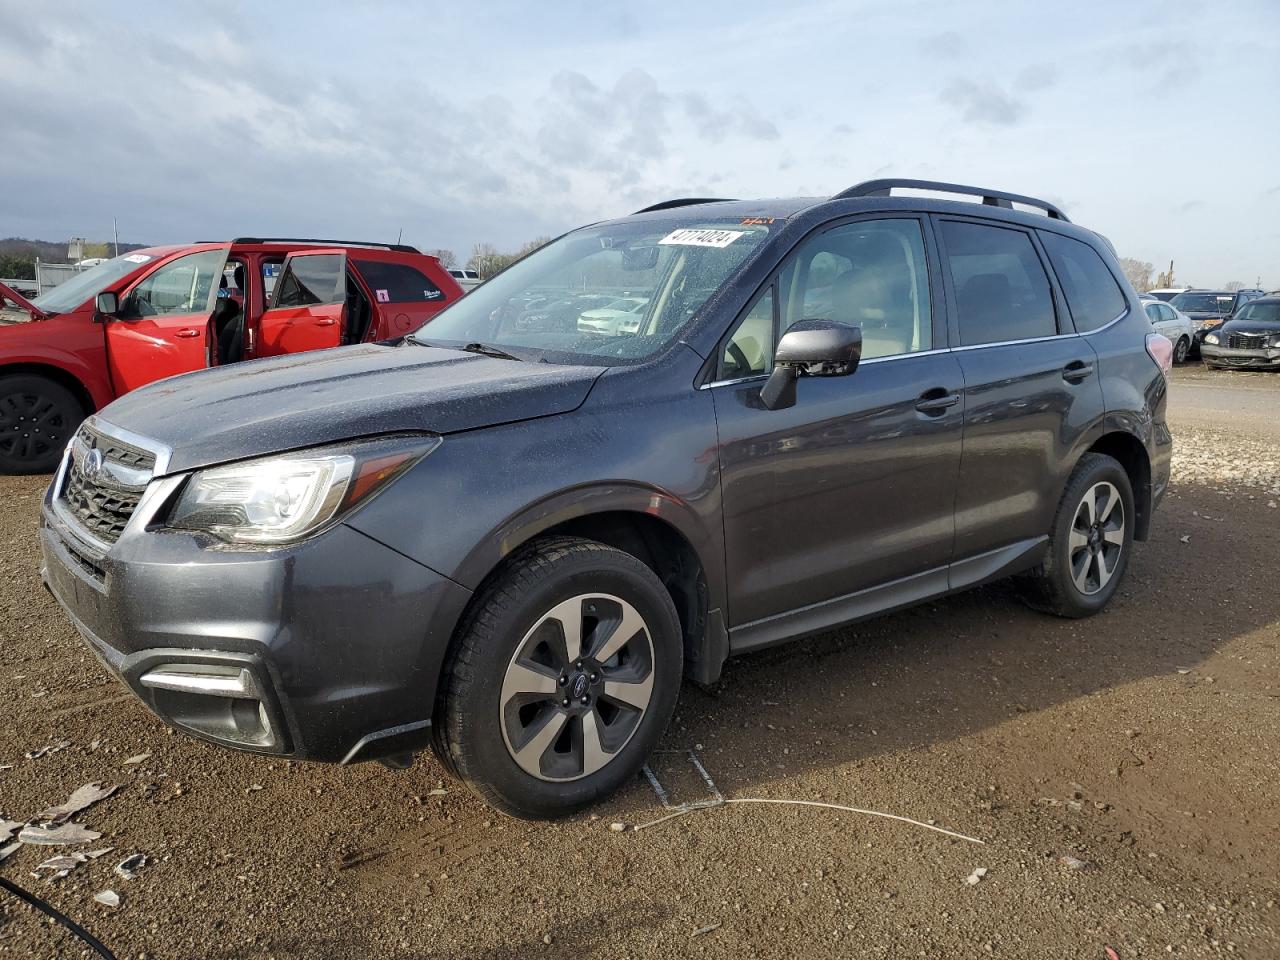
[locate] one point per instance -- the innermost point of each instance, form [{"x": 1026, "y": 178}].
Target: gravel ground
[{"x": 1122, "y": 772}]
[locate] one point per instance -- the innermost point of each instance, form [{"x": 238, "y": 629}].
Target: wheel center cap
[{"x": 580, "y": 685}]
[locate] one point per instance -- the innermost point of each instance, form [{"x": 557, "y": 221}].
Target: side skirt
[{"x": 840, "y": 611}]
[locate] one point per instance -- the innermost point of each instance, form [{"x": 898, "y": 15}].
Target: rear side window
[
  {"x": 1002, "y": 292},
  {"x": 1093, "y": 296},
  {"x": 311, "y": 280},
  {"x": 397, "y": 282}
]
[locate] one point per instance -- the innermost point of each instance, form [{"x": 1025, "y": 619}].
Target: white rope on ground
[{"x": 694, "y": 808}]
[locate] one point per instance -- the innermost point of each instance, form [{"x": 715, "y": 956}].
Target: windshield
[
  {"x": 1204, "y": 302},
  {"x": 69, "y": 295},
  {"x": 1262, "y": 312},
  {"x": 610, "y": 293}
]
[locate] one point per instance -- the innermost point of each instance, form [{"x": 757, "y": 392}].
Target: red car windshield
[{"x": 83, "y": 286}]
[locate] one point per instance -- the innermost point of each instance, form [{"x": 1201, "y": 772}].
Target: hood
[
  {"x": 1263, "y": 327},
  {"x": 13, "y": 296},
  {"x": 324, "y": 396}
]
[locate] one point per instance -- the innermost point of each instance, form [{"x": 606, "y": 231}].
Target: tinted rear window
[
  {"x": 397, "y": 282},
  {"x": 1093, "y": 296},
  {"x": 1002, "y": 292}
]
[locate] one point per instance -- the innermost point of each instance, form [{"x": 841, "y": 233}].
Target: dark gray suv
[{"x": 510, "y": 535}]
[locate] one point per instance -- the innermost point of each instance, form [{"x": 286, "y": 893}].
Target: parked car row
[
  {"x": 1192, "y": 319},
  {"x": 509, "y": 535},
  {"x": 161, "y": 311}
]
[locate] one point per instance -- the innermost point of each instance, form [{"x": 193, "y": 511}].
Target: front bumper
[
  {"x": 1264, "y": 358},
  {"x": 326, "y": 650}
]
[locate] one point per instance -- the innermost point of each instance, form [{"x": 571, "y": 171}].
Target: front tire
[
  {"x": 1089, "y": 543},
  {"x": 564, "y": 676},
  {"x": 37, "y": 418}
]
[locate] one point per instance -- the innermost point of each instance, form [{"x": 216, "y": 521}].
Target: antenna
[{"x": 399, "y": 236}]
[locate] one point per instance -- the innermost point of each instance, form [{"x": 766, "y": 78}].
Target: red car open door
[
  {"x": 162, "y": 325},
  {"x": 308, "y": 306}
]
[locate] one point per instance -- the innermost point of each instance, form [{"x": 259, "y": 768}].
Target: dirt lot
[{"x": 1142, "y": 742}]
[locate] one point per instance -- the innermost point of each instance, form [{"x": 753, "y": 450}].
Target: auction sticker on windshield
[
  {"x": 137, "y": 258},
  {"x": 702, "y": 238}
]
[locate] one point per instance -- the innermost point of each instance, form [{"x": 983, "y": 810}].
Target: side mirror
[
  {"x": 816, "y": 348},
  {"x": 108, "y": 304}
]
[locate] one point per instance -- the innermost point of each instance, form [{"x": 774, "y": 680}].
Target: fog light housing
[{"x": 220, "y": 702}]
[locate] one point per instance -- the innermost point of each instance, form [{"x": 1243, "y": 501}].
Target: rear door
[
  {"x": 1031, "y": 384},
  {"x": 162, "y": 326},
  {"x": 308, "y": 306},
  {"x": 1163, "y": 320},
  {"x": 404, "y": 296}
]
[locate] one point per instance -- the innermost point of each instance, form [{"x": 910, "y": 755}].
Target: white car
[
  {"x": 1165, "y": 293},
  {"x": 621, "y": 316},
  {"x": 467, "y": 279},
  {"x": 1172, "y": 323}
]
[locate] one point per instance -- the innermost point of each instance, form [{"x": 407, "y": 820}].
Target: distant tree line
[
  {"x": 1140, "y": 274},
  {"x": 18, "y": 255},
  {"x": 486, "y": 259}
]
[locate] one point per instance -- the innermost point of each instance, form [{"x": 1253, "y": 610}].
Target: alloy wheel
[
  {"x": 1097, "y": 538},
  {"x": 577, "y": 687}
]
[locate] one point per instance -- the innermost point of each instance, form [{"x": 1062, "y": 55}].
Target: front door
[
  {"x": 852, "y": 487},
  {"x": 162, "y": 326},
  {"x": 308, "y": 305}
]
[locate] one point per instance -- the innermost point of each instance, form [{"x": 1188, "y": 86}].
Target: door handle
[
  {"x": 326, "y": 322},
  {"x": 186, "y": 333},
  {"x": 937, "y": 401},
  {"x": 1077, "y": 371}
]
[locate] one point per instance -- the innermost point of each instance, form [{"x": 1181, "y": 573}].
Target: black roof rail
[
  {"x": 398, "y": 247},
  {"x": 991, "y": 198},
  {"x": 682, "y": 202}
]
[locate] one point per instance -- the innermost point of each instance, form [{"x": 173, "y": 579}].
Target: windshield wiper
[{"x": 488, "y": 351}]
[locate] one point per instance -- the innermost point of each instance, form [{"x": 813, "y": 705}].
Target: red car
[{"x": 162, "y": 311}]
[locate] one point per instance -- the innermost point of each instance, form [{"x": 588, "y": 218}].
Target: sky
[{"x": 1154, "y": 123}]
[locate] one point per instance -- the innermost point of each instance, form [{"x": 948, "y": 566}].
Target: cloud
[
  {"x": 949, "y": 44},
  {"x": 983, "y": 102}
]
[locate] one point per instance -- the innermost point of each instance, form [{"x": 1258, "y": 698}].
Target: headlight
[
  {"x": 1211, "y": 338},
  {"x": 285, "y": 498}
]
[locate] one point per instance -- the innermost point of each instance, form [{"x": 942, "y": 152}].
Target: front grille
[
  {"x": 102, "y": 500},
  {"x": 1246, "y": 341},
  {"x": 117, "y": 451}
]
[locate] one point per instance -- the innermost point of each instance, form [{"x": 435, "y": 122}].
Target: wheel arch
[
  {"x": 59, "y": 375},
  {"x": 658, "y": 529},
  {"x": 1131, "y": 453}
]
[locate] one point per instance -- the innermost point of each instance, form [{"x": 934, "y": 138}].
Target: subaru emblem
[
  {"x": 94, "y": 461},
  {"x": 580, "y": 686}
]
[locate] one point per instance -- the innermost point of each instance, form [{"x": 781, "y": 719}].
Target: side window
[
  {"x": 1093, "y": 296},
  {"x": 872, "y": 273},
  {"x": 184, "y": 286},
  {"x": 1166, "y": 312},
  {"x": 270, "y": 274},
  {"x": 1002, "y": 292},
  {"x": 749, "y": 350},
  {"x": 311, "y": 280},
  {"x": 1153, "y": 312},
  {"x": 397, "y": 282}
]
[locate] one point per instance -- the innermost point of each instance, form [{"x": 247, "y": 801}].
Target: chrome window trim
[
  {"x": 922, "y": 353},
  {"x": 893, "y": 356}
]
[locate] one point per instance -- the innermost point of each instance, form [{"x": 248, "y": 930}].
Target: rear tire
[
  {"x": 1089, "y": 545},
  {"x": 563, "y": 677},
  {"x": 1181, "y": 349},
  {"x": 37, "y": 418}
]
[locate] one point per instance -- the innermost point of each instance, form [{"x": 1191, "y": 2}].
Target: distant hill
[{"x": 18, "y": 255}]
